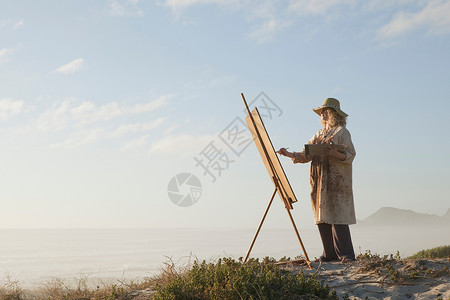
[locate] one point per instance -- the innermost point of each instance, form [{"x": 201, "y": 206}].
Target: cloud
[
  {"x": 263, "y": 13},
  {"x": 152, "y": 105},
  {"x": 268, "y": 18},
  {"x": 267, "y": 30},
  {"x": 82, "y": 138},
  {"x": 180, "y": 4},
  {"x": 267, "y": 21},
  {"x": 170, "y": 129},
  {"x": 71, "y": 67},
  {"x": 55, "y": 118},
  {"x": 210, "y": 79},
  {"x": 71, "y": 112},
  {"x": 127, "y": 8},
  {"x": 294, "y": 6},
  {"x": 88, "y": 136},
  {"x": 316, "y": 7},
  {"x": 11, "y": 24},
  {"x": 88, "y": 112},
  {"x": 80, "y": 123},
  {"x": 133, "y": 144},
  {"x": 181, "y": 144},
  {"x": 136, "y": 127},
  {"x": 4, "y": 54},
  {"x": 258, "y": 10},
  {"x": 18, "y": 24},
  {"x": 10, "y": 108},
  {"x": 435, "y": 17}
]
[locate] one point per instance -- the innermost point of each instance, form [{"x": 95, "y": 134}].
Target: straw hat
[{"x": 331, "y": 103}]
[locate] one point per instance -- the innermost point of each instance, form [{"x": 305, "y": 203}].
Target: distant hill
[
  {"x": 388, "y": 216},
  {"x": 447, "y": 215}
]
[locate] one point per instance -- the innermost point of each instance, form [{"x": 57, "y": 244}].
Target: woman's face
[{"x": 324, "y": 114}]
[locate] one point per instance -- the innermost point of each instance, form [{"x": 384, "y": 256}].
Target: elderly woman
[{"x": 331, "y": 182}]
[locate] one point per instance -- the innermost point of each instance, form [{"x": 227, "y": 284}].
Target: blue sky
[{"x": 102, "y": 103}]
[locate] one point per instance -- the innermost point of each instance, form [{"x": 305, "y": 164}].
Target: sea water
[{"x": 35, "y": 256}]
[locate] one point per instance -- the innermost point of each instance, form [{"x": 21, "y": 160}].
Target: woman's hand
[
  {"x": 336, "y": 154},
  {"x": 284, "y": 152}
]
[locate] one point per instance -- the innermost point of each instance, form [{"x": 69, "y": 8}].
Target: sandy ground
[{"x": 383, "y": 278}]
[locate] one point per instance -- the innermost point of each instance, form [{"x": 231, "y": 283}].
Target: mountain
[
  {"x": 388, "y": 216},
  {"x": 447, "y": 215}
]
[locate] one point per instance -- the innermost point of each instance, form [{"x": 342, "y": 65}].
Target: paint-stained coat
[{"x": 331, "y": 178}]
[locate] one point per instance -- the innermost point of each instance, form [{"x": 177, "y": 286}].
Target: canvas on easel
[
  {"x": 275, "y": 170},
  {"x": 270, "y": 158}
]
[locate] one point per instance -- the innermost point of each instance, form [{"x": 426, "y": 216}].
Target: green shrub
[
  {"x": 230, "y": 279},
  {"x": 438, "y": 252}
]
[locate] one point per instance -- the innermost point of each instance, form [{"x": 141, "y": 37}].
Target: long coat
[{"x": 331, "y": 178}]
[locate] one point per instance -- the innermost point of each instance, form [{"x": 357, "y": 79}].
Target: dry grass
[
  {"x": 392, "y": 269},
  {"x": 387, "y": 269},
  {"x": 82, "y": 287},
  {"x": 78, "y": 289},
  {"x": 10, "y": 289}
]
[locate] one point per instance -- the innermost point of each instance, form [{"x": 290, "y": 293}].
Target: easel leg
[
  {"x": 260, "y": 225},
  {"x": 299, "y": 239}
]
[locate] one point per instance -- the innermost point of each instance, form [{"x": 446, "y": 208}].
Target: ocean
[{"x": 35, "y": 256}]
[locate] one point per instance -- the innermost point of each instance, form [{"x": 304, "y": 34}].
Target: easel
[{"x": 278, "y": 176}]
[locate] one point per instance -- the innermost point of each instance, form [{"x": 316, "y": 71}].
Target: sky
[{"x": 105, "y": 104}]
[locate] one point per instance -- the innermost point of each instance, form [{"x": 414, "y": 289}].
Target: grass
[
  {"x": 438, "y": 252},
  {"x": 231, "y": 279},
  {"x": 10, "y": 289},
  {"x": 392, "y": 269},
  {"x": 224, "y": 279}
]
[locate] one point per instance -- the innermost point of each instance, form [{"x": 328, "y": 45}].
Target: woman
[{"x": 331, "y": 183}]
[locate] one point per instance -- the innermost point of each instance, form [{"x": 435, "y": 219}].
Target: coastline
[
  {"x": 370, "y": 277},
  {"x": 33, "y": 257}
]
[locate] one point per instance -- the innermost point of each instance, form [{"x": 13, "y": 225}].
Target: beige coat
[{"x": 331, "y": 179}]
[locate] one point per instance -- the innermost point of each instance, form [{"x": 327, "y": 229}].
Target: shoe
[
  {"x": 325, "y": 259},
  {"x": 346, "y": 260}
]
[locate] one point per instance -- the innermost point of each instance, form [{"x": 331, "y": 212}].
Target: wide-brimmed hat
[{"x": 331, "y": 103}]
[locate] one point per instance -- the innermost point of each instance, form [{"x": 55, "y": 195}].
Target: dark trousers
[{"x": 337, "y": 242}]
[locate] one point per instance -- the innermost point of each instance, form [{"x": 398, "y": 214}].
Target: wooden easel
[{"x": 276, "y": 174}]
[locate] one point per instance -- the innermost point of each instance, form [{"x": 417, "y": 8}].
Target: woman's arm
[
  {"x": 297, "y": 157},
  {"x": 284, "y": 152},
  {"x": 344, "y": 138},
  {"x": 336, "y": 154}
]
